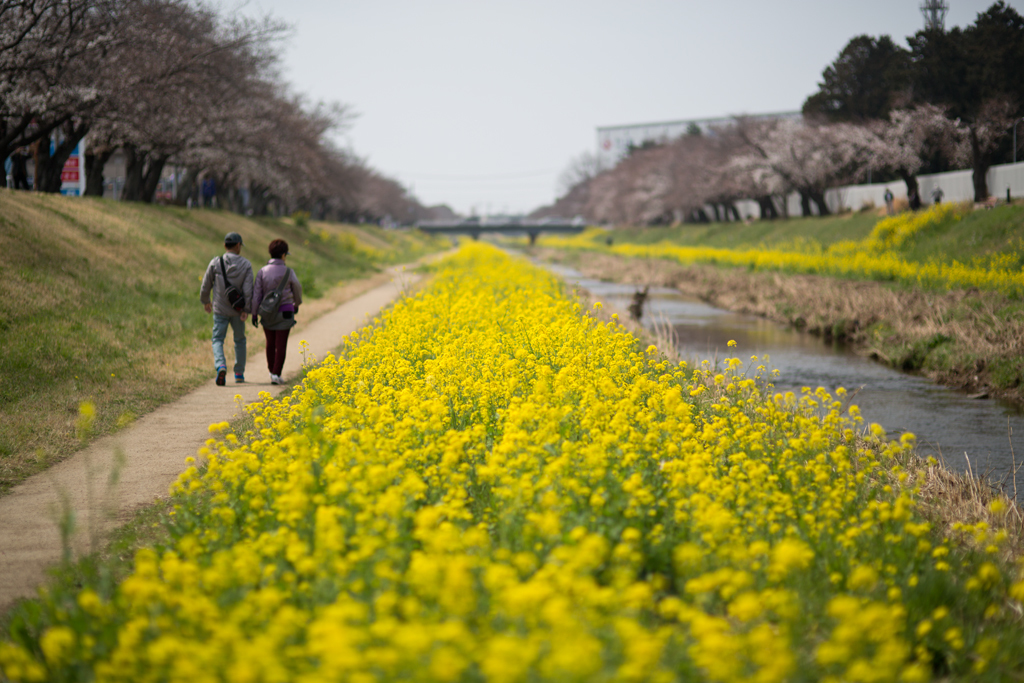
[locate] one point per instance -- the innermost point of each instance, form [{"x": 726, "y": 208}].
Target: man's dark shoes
[{"x": 221, "y": 374}]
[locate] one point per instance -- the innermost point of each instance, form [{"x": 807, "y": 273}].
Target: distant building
[{"x": 614, "y": 142}]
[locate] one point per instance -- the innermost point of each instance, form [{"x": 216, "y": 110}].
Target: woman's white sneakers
[{"x": 276, "y": 379}]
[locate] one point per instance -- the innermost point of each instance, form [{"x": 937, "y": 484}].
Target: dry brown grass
[{"x": 951, "y": 500}]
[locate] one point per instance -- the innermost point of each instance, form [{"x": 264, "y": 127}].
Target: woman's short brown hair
[{"x": 278, "y": 248}]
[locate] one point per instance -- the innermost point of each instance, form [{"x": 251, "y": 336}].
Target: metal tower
[{"x": 934, "y": 12}]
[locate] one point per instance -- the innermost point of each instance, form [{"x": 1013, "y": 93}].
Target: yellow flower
[
  {"x": 788, "y": 555},
  {"x": 488, "y": 480},
  {"x": 58, "y": 644}
]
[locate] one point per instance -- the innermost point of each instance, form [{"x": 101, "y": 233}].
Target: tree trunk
[
  {"x": 40, "y": 159},
  {"x": 714, "y": 209},
  {"x": 48, "y": 173},
  {"x": 258, "y": 199},
  {"x": 768, "y": 211},
  {"x": 805, "y": 204},
  {"x": 980, "y": 162},
  {"x": 151, "y": 177},
  {"x": 5, "y": 151},
  {"x": 980, "y": 183},
  {"x": 781, "y": 204},
  {"x": 910, "y": 180},
  {"x": 818, "y": 197},
  {"x": 11, "y": 137},
  {"x": 43, "y": 176},
  {"x": 184, "y": 189},
  {"x": 223, "y": 191},
  {"x": 134, "y": 163},
  {"x": 94, "y": 164}
]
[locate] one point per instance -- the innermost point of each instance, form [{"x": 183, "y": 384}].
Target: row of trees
[
  {"x": 171, "y": 81},
  {"x": 949, "y": 100}
]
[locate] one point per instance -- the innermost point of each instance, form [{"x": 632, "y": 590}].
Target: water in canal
[{"x": 947, "y": 424}]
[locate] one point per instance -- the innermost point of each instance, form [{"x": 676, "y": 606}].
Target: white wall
[{"x": 957, "y": 186}]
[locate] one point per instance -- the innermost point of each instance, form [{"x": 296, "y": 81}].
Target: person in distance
[
  {"x": 227, "y": 293},
  {"x": 277, "y": 295}
]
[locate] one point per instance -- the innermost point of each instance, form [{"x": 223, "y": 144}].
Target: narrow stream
[{"x": 947, "y": 424}]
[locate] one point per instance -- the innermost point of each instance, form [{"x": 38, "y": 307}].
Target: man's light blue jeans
[{"x": 220, "y": 330}]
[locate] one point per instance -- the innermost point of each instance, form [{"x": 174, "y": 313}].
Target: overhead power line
[{"x": 479, "y": 177}]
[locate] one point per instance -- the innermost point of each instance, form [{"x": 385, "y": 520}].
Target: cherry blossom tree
[
  {"x": 637, "y": 190},
  {"x": 904, "y": 140},
  {"x": 51, "y": 52},
  {"x": 184, "y": 74},
  {"x": 172, "y": 81},
  {"x": 580, "y": 170},
  {"x": 807, "y": 158},
  {"x": 989, "y": 127}
]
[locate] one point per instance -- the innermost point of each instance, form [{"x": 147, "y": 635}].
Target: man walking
[{"x": 227, "y": 293}]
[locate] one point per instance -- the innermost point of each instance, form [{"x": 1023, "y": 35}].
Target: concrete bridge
[{"x": 474, "y": 227}]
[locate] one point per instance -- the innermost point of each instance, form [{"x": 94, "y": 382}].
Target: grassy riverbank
[
  {"x": 975, "y": 234},
  {"x": 940, "y": 294},
  {"x": 100, "y": 301},
  {"x": 824, "y": 229}
]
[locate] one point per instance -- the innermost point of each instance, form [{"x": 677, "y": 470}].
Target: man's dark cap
[{"x": 231, "y": 239}]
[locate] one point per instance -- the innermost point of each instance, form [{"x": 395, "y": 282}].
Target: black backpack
[{"x": 235, "y": 296}]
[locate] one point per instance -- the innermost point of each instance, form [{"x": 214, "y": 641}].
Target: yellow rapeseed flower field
[
  {"x": 874, "y": 258},
  {"x": 491, "y": 483}
]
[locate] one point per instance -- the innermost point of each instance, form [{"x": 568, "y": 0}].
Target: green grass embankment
[
  {"x": 981, "y": 234},
  {"x": 825, "y": 230},
  {"x": 962, "y": 335},
  {"x": 99, "y": 301}
]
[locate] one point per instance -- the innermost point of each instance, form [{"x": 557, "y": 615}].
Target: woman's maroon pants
[{"x": 277, "y": 344}]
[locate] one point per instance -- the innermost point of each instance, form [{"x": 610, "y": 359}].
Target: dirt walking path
[{"x": 154, "y": 450}]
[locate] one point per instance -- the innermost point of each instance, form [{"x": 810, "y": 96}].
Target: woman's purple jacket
[{"x": 267, "y": 281}]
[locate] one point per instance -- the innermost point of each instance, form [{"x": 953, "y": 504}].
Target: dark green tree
[
  {"x": 870, "y": 77},
  {"x": 977, "y": 74},
  {"x": 633, "y": 148}
]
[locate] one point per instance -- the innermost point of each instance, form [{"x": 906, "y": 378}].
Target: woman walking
[{"x": 276, "y": 276}]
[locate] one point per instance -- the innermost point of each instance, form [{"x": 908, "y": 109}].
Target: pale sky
[{"x": 482, "y": 104}]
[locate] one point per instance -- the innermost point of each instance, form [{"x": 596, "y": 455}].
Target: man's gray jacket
[{"x": 213, "y": 288}]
